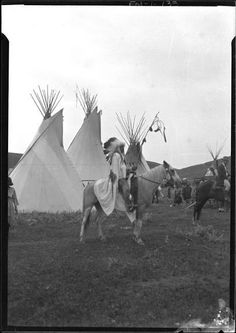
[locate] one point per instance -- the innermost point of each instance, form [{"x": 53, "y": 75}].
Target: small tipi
[
  {"x": 45, "y": 179},
  {"x": 85, "y": 151},
  {"x": 212, "y": 170},
  {"x": 133, "y": 134}
]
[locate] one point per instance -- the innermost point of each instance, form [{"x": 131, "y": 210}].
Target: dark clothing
[
  {"x": 134, "y": 189},
  {"x": 222, "y": 175},
  {"x": 177, "y": 198},
  {"x": 186, "y": 192}
]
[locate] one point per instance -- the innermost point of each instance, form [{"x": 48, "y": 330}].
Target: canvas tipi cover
[
  {"x": 86, "y": 151},
  {"x": 45, "y": 180},
  {"x": 209, "y": 174},
  {"x": 134, "y": 157},
  {"x": 133, "y": 134}
]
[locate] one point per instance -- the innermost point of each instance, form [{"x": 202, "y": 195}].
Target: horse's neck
[{"x": 156, "y": 174}]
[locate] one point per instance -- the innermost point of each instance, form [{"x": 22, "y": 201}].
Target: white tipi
[
  {"x": 133, "y": 134},
  {"x": 45, "y": 180},
  {"x": 85, "y": 151}
]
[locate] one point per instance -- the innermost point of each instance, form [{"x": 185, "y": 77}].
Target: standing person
[
  {"x": 12, "y": 205},
  {"x": 178, "y": 199},
  {"x": 186, "y": 191}
]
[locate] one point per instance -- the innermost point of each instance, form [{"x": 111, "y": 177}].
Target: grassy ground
[{"x": 178, "y": 275}]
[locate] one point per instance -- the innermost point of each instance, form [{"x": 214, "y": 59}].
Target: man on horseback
[
  {"x": 107, "y": 190},
  {"x": 222, "y": 172},
  {"x": 221, "y": 178},
  {"x": 218, "y": 189},
  {"x": 113, "y": 193}
]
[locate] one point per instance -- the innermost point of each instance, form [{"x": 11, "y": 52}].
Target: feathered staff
[{"x": 157, "y": 125}]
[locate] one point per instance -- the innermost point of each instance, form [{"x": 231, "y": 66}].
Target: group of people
[
  {"x": 181, "y": 194},
  {"x": 186, "y": 193},
  {"x": 107, "y": 191}
]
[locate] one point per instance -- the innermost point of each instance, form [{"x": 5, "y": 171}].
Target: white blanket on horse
[{"x": 110, "y": 198}]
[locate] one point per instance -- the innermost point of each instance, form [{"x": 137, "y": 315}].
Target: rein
[{"x": 151, "y": 181}]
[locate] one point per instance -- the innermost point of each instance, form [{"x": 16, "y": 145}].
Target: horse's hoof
[
  {"x": 139, "y": 241},
  {"x": 82, "y": 241},
  {"x": 102, "y": 238}
]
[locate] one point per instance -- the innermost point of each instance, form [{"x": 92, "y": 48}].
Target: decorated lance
[{"x": 160, "y": 127}]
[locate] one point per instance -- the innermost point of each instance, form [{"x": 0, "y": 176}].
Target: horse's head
[
  {"x": 172, "y": 178},
  {"x": 123, "y": 188}
]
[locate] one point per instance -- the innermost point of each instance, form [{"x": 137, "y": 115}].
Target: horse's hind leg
[
  {"x": 137, "y": 231},
  {"x": 198, "y": 209},
  {"x": 86, "y": 217}
]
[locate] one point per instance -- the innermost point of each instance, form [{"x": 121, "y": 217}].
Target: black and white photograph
[{"x": 119, "y": 166}]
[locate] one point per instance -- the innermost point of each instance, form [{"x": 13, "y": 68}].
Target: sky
[{"x": 171, "y": 60}]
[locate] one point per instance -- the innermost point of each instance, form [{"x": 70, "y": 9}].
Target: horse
[
  {"x": 147, "y": 183},
  {"x": 207, "y": 190}
]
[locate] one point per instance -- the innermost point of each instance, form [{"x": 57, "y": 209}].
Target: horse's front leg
[
  {"x": 86, "y": 216},
  {"x": 99, "y": 219},
  {"x": 137, "y": 231},
  {"x": 138, "y": 226}
]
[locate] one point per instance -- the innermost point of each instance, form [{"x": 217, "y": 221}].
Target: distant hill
[
  {"x": 199, "y": 170},
  {"x": 194, "y": 171}
]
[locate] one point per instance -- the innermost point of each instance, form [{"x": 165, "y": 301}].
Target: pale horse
[{"x": 147, "y": 184}]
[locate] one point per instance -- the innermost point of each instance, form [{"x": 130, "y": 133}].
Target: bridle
[{"x": 170, "y": 173}]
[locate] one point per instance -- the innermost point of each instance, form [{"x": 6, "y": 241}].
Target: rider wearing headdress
[
  {"x": 222, "y": 181},
  {"x": 106, "y": 189},
  {"x": 114, "y": 150}
]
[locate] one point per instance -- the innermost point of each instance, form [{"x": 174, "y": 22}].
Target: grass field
[{"x": 178, "y": 275}]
